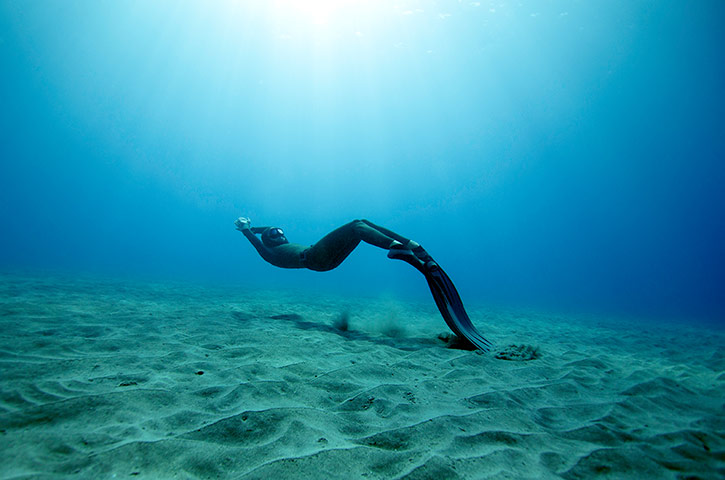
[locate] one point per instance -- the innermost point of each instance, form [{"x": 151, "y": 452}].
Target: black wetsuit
[{"x": 330, "y": 251}]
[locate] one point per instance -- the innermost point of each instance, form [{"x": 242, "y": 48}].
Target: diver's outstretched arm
[{"x": 243, "y": 224}]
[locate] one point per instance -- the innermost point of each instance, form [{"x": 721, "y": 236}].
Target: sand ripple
[{"x": 167, "y": 381}]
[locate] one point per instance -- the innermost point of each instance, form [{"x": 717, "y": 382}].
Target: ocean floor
[{"x": 113, "y": 379}]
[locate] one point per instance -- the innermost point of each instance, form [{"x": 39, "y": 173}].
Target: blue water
[{"x": 565, "y": 155}]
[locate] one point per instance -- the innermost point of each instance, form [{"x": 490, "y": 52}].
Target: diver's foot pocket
[
  {"x": 399, "y": 252},
  {"x": 421, "y": 254}
]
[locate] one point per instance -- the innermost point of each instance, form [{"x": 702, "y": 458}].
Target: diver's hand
[{"x": 243, "y": 223}]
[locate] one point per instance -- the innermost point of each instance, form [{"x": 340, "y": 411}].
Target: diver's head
[{"x": 273, "y": 237}]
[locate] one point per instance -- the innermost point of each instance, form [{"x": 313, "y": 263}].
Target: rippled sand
[{"x": 102, "y": 379}]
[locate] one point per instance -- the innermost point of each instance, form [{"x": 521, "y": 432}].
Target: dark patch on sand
[{"x": 519, "y": 353}]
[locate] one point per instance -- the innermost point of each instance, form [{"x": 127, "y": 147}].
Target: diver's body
[
  {"x": 329, "y": 252},
  {"x": 332, "y": 249}
]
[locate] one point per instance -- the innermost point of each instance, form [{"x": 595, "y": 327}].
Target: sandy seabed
[{"x": 112, "y": 379}]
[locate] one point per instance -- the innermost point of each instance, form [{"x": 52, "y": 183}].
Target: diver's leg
[
  {"x": 332, "y": 249},
  {"x": 370, "y": 233},
  {"x": 387, "y": 232},
  {"x": 407, "y": 244}
]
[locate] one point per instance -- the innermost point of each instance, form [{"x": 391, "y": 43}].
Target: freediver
[{"x": 332, "y": 249}]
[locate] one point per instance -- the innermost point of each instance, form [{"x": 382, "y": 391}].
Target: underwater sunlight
[{"x": 450, "y": 239}]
